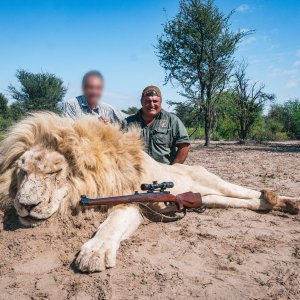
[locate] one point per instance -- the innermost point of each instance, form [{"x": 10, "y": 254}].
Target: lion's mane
[{"x": 103, "y": 160}]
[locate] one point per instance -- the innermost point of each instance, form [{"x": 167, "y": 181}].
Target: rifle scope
[{"x": 155, "y": 186}]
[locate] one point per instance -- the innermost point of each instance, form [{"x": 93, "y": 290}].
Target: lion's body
[{"x": 47, "y": 162}]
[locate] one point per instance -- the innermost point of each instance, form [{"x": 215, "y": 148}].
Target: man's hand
[
  {"x": 105, "y": 120},
  {"x": 182, "y": 153}
]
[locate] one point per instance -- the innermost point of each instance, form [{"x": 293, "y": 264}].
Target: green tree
[
  {"x": 188, "y": 113},
  {"x": 130, "y": 110},
  {"x": 196, "y": 50},
  {"x": 225, "y": 125},
  {"x": 15, "y": 111},
  {"x": 5, "y": 120},
  {"x": 288, "y": 114},
  {"x": 248, "y": 101},
  {"x": 42, "y": 91},
  {"x": 3, "y": 105}
]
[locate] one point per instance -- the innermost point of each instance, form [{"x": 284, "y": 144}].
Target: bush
[
  {"x": 227, "y": 129},
  {"x": 196, "y": 134},
  {"x": 287, "y": 114},
  {"x": 41, "y": 91},
  {"x": 216, "y": 136},
  {"x": 281, "y": 136},
  {"x": 259, "y": 131},
  {"x": 274, "y": 125},
  {"x": 5, "y": 123},
  {"x": 260, "y": 134}
]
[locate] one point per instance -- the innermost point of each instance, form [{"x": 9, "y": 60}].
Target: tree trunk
[
  {"x": 207, "y": 127},
  {"x": 242, "y": 131}
]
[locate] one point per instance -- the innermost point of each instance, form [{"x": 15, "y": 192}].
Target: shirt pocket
[{"x": 162, "y": 137}]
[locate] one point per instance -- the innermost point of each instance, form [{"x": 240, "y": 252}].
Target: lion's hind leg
[
  {"x": 214, "y": 185},
  {"x": 285, "y": 204},
  {"x": 217, "y": 201},
  {"x": 211, "y": 184}
]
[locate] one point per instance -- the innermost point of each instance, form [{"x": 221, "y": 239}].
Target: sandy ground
[{"x": 221, "y": 254}]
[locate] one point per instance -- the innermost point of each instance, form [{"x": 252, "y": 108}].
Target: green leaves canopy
[{"x": 40, "y": 91}]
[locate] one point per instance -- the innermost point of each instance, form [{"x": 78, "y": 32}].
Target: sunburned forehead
[{"x": 151, "y": 98}]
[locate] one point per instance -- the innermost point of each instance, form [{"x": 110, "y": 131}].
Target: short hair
[{"x": 91, "y": 73}]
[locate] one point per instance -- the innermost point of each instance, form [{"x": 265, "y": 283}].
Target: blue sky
[{"x": 117, "y": 37}]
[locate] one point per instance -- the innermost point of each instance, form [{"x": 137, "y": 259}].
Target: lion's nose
[{"x": 29, "y": 208}]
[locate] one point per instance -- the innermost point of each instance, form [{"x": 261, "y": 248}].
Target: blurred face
[
  {"x": 93, "y": 89},
  {"x": 151, "y": 105}
]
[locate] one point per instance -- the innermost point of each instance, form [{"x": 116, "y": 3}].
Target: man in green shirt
[{"x": 165, "y": 137}]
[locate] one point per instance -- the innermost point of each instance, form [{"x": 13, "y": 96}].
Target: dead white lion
[{"x": 47, "y": 162}]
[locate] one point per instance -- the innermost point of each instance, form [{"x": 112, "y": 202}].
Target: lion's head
[
  {"x": 47, "y": 162},
  {"x": 42, "y": 184}
]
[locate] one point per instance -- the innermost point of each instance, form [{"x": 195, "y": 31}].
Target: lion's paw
[
  {"x": 270, "y": 196},
  {"x": 97, "y": 259},
  {"x": 290, "y": 206}
]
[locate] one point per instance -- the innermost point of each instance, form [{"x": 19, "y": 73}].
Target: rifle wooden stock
[{"x": 185, "y": 200}]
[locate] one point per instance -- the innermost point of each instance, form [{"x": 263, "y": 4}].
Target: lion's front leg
[{"x": 100, "y": 252}]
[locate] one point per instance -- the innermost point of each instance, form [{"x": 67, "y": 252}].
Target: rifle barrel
[
  {"x": 185, "y": 200},
  {"x": 135, "y": 198}
]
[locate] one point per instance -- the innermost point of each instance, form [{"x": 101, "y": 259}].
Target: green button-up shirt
[{"x": 162, "y": 136}]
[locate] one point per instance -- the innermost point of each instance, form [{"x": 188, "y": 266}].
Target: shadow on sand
[{"x": 11, "y": 221}]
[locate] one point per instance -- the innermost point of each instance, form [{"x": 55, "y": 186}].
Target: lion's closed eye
[{"x": 54, "y": 172}]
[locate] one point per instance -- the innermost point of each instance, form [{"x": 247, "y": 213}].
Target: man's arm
[
  {"x": 182, "y": 142},
  {"x": 182, "y": 153}
]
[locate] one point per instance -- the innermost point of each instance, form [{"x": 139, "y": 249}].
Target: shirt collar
[{"x": 83, "y": 102}]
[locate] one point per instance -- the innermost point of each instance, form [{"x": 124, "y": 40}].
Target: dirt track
[{"x": 221, "y": 254}]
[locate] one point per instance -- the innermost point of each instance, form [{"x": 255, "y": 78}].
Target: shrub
[
  {"x": 216, "y": 136},
  {"x": 196, "y": 134},
  {"x": 281, "y": 136}
]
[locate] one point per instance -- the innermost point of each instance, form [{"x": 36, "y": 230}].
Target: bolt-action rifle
[{"x": 155, "y": 192}]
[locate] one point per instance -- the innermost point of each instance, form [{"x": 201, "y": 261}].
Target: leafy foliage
[
  {"x": 248, "y": 101},
  {"x": 42, "y": 91},
  {"x": 188, "y": 113},
  {"x": 132, "y": 110},
  {"x": 196, "y": 50},
  {"x": 3, "y": 105},
  {"x": 5, "y": 120},
  {"x": 286, "y": 117},
  {"x": 282, "y": 121}
]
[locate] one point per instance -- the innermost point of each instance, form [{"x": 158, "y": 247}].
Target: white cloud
[
  {"x": 243, "y": 8},
  {"x": 296, "y": 64},
  {"x": 292, "y": 84}
]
